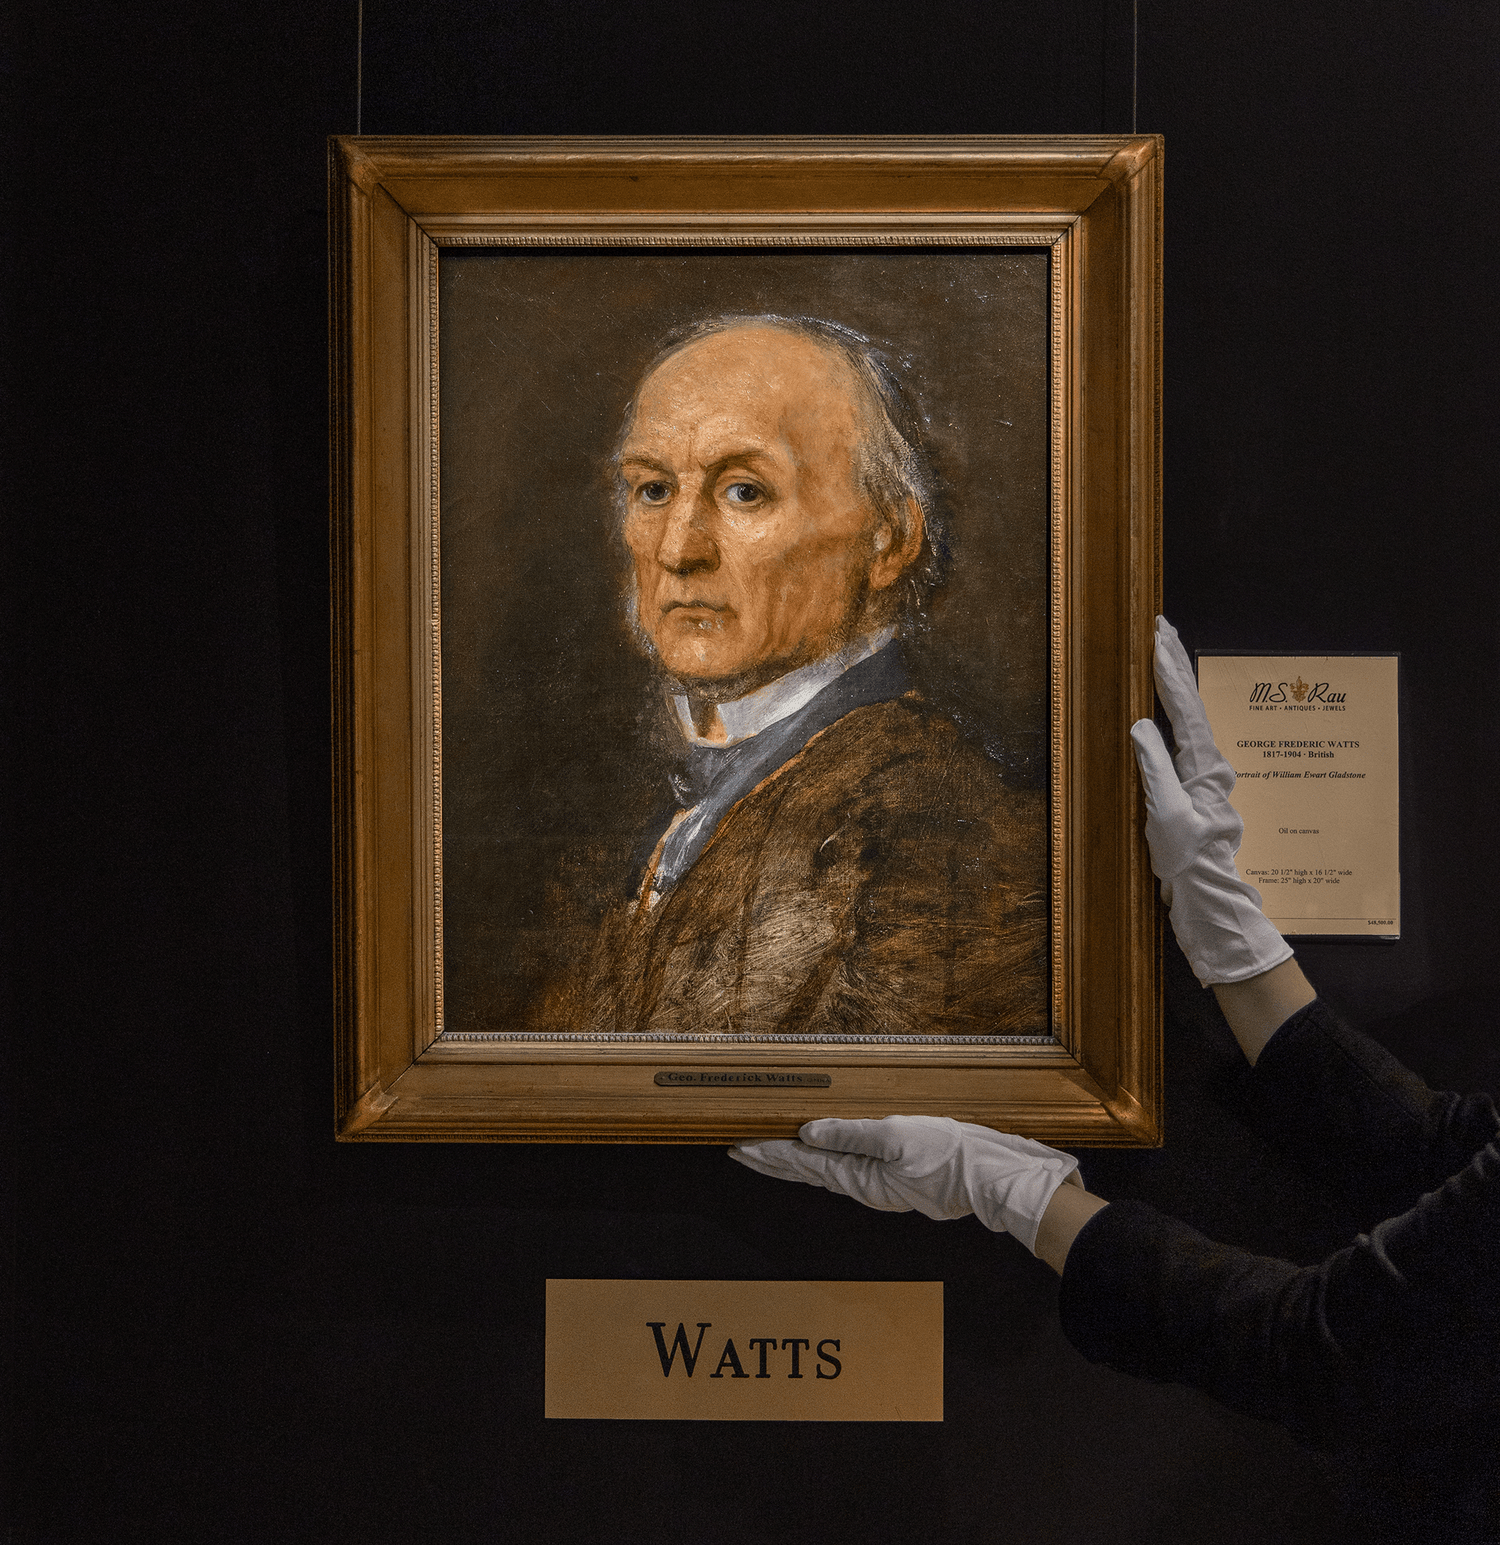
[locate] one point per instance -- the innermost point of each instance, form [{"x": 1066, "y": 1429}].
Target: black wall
[{"x": 233, "y": 1329}]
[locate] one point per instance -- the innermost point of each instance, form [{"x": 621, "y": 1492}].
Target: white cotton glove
[
  {"x": 940, "y": 1167},
  {"x": 1194, "y": 833}
]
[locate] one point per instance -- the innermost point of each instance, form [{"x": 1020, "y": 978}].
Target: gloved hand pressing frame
[
  {"x": 948, "y": 1169},
  {"x": 1194, "y": 833},
  {"x": 931, "y": 1164}
]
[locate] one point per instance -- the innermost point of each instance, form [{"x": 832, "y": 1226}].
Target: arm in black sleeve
[
  {"x": 1380, "y": 1135},
  {"x": 1402, "y": 1326}
]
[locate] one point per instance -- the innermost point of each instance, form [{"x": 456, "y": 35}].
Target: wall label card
[
  {"x": 745, "y": 1351},
  {"x": 1314, "y": 742}
]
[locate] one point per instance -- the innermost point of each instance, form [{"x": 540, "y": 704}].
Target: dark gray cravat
[{"x": 710, "y": 780}]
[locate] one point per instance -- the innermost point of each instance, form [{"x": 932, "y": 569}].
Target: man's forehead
[
  {"x": 742, "y": 390},
  {"x": 751, "y": 376}
]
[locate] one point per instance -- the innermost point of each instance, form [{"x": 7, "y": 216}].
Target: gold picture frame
[{"x": 1091, "y": 208}]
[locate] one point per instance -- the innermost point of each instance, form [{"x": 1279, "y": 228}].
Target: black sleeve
[
  {"x": 1404, "y": 1323},
  {"x": 1402, "y": 1326},
  {"x": 1379, "y": 1135}
]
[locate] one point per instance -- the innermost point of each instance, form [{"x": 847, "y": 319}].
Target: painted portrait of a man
[
  {"x": 839, "y": 857},
  {"x": 794, "y": 830}
]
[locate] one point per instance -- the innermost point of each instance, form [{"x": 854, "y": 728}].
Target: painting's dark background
[
  {"x": 552, "y": 743},
  {"x": 233, "y": 1329}
]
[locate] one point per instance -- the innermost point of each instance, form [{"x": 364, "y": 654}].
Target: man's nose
[{"x": 686, "y": 546}]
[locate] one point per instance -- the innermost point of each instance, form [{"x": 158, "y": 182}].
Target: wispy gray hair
[{"x": 893, "y": 468}]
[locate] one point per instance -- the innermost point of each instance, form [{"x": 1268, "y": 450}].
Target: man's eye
[
  {"x": 653, "y": 493},
  {"x": 742, "y": 493}
]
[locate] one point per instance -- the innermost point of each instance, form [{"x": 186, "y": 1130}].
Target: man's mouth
[
  {"x": 691, "y": 606},
  {"x": 697, "y": 615}
]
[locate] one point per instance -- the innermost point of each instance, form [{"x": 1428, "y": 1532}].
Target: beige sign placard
[
  {"x": 745, "y": 1351},
  {"x": 1314, "y": 742}
]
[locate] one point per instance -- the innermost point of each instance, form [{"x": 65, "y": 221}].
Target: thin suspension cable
[
  {"x": 359, "y": 71},
  {"x": 1135, "y": 56}
]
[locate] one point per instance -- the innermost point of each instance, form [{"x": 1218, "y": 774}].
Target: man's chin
[
  {"x": 719, "y": 688},
  {"x": 716, "y": 680},
  {"x": 695, "y": 657}
]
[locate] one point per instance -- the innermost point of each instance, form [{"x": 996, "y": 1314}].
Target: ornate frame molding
[{"x": 394, "y": 204}]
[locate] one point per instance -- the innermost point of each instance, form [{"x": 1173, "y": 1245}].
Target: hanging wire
[
  {"x": 1135, "y": 55},
  {"x": 359, "y": 70}
]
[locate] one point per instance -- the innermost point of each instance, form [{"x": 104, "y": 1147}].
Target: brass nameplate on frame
[
  {"x": 740, "y": 1078},
  {"x": 745, "y": 1351},
  {"x": 1314, "y": 742}
]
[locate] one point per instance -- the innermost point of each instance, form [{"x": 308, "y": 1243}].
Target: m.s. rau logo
[{"x": 1300, "y": 692}]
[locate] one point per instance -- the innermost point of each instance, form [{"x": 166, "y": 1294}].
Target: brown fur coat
[{"x": 884, "y": 881}]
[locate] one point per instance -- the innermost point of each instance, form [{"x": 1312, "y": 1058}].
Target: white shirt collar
[{"x": 749, "y": 715}]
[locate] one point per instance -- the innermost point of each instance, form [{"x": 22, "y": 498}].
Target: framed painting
[{"x": 745, "y": 558}]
